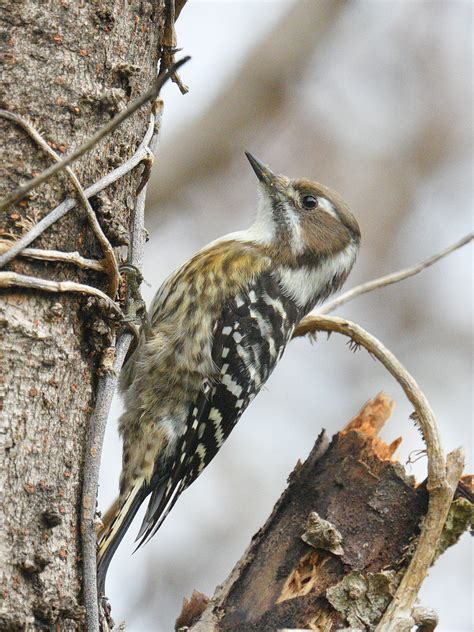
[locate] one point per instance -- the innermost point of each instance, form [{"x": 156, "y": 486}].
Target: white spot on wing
[
  {"x": 265, "y": 330},
  {"x": 216, "y": 418},
  {"x": 231, "y": 385},
  {"x": 276, "y": 304},
  {"x": 201, "y": 452}
]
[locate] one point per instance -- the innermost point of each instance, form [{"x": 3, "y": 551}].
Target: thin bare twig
[
  {"x": 68, "y": 204},
  {"x": 273, "y": 67},
  {"x": 442, "y": 477},
  {"x": 394, "y": 277},
  {"x": 109, "y": 255},
  {"x": 104, "y": 131},
  {"x": 105, "y": 391},
  {"x": 12, "y": 279},
  {"x": 168, "y": 45},
  {"x": 60, "y": 256}
]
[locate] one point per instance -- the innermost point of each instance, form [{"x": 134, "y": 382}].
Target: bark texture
[
  {"x": 68, "y": 67},
  {"x": 335, "y": 546}
]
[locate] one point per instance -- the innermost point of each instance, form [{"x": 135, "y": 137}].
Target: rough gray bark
[{"x": 68, "y": 67}]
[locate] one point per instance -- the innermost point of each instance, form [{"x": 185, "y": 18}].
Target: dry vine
[
  {"x": 57, "y": 255},
  {"x": 13, "y": 279},
  {"x": 62, "y": 209}
]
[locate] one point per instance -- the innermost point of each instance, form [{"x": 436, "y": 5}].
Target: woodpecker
[{"x": 215, "y": 331}]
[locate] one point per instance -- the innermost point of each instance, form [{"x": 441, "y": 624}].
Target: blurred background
[{"x": 373, "y": 99}]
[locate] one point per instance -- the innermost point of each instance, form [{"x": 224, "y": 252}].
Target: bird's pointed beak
[{"x": 263, "y": 173}]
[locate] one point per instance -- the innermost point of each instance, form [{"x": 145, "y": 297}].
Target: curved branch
[{"x": 442, "y": 477}]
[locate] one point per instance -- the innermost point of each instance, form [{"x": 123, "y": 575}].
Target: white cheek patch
[
  {"x": 327, "y": 207},
  {"x": 303, "y": 284},
  {"x": 294, "y": 228}
]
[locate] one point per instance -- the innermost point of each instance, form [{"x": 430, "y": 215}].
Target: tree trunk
[
  {"x": 68, "y": 67},
  {"x": 335, "y": 546}
]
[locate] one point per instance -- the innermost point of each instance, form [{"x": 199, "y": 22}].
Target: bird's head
[{"x": 300, "y": 219}]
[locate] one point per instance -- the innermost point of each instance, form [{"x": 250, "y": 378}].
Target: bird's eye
[{"x": 309, "y": 201}]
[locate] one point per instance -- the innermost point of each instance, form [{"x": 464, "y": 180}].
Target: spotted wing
[{"x": 249, "y": 339}]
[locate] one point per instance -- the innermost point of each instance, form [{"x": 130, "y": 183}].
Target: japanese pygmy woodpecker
[{"x": 216, "y": 329}]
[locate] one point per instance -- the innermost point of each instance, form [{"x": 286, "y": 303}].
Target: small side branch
[
  {"x": 442, "y": 476},
  {"x": 59, "y": 256},
  {"x": 389, "y": 279},
  {"x": 169, "y": 43},
  {"x": 12, "y": 279}
]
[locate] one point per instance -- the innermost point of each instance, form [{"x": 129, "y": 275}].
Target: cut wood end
[
  {"x": 191, "y": 610},
  {"x": 370, "y": 420}
]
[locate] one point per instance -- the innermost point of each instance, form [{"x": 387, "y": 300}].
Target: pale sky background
[{"x": 366, "y": 93}]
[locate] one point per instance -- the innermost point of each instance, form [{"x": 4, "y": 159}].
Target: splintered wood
[
  {"x": 336, "y": 544},
  {"x": 370, "y": 420}
]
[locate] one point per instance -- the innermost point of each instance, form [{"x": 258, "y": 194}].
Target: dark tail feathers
[{"x": 118, "y": 527}]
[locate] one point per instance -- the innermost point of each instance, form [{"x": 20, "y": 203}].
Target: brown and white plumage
[{"x": 217, "y": 327}]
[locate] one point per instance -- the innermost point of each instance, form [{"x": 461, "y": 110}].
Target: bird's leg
[{"x": 136, "y": 310}]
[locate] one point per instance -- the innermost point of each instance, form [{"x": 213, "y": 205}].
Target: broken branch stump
[{"x": 335, "y": 546}]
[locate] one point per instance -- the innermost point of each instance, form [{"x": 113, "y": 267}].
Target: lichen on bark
[{"x": 362, "y": 598}]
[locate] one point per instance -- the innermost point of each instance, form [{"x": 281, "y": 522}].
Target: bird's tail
[{"x": 113, "y": 534}]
